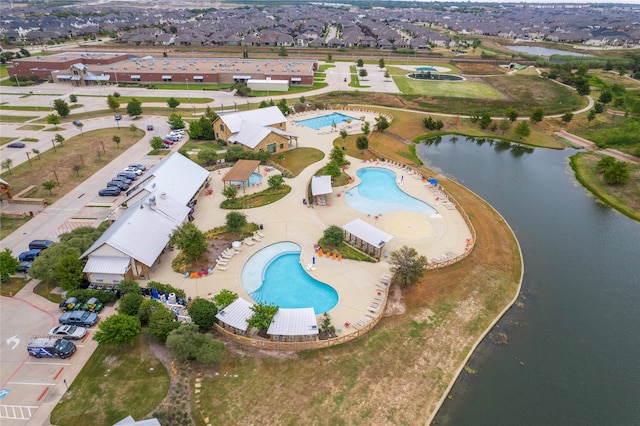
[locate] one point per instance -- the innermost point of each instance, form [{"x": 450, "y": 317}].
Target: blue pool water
[
  {"x": 253, "y": 179},
  {"x": 378, "y": 193},
  {"x": 325, "y": 120},
  {"x": 274, "y": 275},
  {"x": 432, "y": 69}
]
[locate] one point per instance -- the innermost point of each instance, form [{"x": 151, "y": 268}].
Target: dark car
[
  {"x": 111, "y": 191},
  {"x": 149, "y": 127},
  {"x": 80, "y": 318},
  {"x": 127, "y": 175},
  {"x": 138, "y": 166},
  {"x": 117, "y": 117},
  {"x": 40, "y": 244},
  {"x": 23, "y": 266},
  {"x": 122, "y": 179},
  {"x": 16, "y": 145},
  {"x": 118, "y": 184},
  {"x": 77, "y": 123},
  {"x": 29, "y": 256}
]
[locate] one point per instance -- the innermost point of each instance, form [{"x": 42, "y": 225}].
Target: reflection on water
[{"x": 567, "y": 353}]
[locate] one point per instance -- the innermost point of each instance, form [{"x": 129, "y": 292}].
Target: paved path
[{"x": 591, "y": 146}]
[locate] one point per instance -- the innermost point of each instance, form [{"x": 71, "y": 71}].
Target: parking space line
[
  {"x": 16, "y": 412},
  {"x": 31, "y": 383},
  {"x": 48, "y": 363}
]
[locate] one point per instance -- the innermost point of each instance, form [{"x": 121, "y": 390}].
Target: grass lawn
[
  {"x": 124, "y": 100},
  {"x": 115, "y": 383},
  {"x": 31, "y": 127},
  {"x": 3, "y": 71},
  {"x": 45, "y": 289},
  {"x": 15, "y": 118},
  {"x": 10, "y": 224},
  {"x": 623, "y": 197},
  {"x": 5, "y": 140},
  {"x": 298, "y": 159},
  {"x": 14, "y": 285},
  {"x": 78, "y": 150}
]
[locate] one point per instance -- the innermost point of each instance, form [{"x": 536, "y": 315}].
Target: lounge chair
[
  {"x": 256, "y": 239},
  {"x": 220, "y": 267},
  {"x": 259, "y": 234},
  {"x": 249, "y": 242},
  {"x": 385, "y": 279}
]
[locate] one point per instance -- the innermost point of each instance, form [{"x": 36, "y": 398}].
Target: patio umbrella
[{"x": 433, "y": 181}]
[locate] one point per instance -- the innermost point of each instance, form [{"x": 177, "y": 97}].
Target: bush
[
  {"x": 103, "y": 296},
  {"x": 130, "y": 304}
]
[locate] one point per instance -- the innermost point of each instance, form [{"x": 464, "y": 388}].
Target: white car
[
  {"x": 70, "y": 332},
  {"x": 138, "y": 172}
]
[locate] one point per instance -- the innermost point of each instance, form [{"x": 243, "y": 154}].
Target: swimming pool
[
  {"x": 253, "y": 179},
  {"x": 378, "y": 193},
  {"x": 325, "y": 120},
  {"x": 432, "y": 69},
  {"x": 274, "y": 275}
]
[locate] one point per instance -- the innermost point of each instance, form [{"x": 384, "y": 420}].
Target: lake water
[
  {"x": 544, "y": 51},
  {"x": 574, "y": 345}
]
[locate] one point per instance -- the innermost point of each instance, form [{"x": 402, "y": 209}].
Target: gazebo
[
  {"x": 320, "y": 186},
  {"x": 241, "y": 172},
  {"x": 294, "y": 325},
  {"x": 234, "y": 317},
  {"x": 365, "y": 237}
]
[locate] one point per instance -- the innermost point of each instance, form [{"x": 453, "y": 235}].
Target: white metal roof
[
  {"x": 250, "y": 134},
  {"x": 368, "y": 233},
  {"x": 236, "y": 314},
  {"x": 107, "y": 265},
  {"x": 321, "y": 185},
  {"x": 261, "y": 116},
  {"x": 294, "y": 322}
]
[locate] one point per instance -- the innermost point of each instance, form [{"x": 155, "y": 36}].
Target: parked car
[
  {"x": 24, "y": 266},
  {"x": 138, "y": 166},
  {"x": 117, "y": 117},
  {"x": 77, "y": 123},
  {"x": 122, "y": 179},
  {"x": 71, "y": 332},
  {"x": 172, "y": 138},
  {"x": 69, "y": 304},
  {"x": 149, "y": 127},
  {"x": 118, "y": 184},
  {"x": 16, "y": 145},
  {"x": 40, "y": 244},
  {"x": 166, "y": 146},
  {"x": 92, "y": 305},
  {"x": 29, "y": 256},
  {"x": 81, "y": 318},
  {"x": 176, "y": 134},
  {"x": 109, "y": 192},
  {"x": 50, "y": 348},
  {"x": 133, "y": 170},
  {"x": 127, "y": 175},
  {"x": 168, "y": 142}
]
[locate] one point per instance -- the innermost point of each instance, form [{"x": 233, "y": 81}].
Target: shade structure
[{"x": 433, "y": 181}]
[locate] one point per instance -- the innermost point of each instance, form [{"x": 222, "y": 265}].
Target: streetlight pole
[
  {"x": 18, "y": 82},
  {"x": 186, "y": 80}
]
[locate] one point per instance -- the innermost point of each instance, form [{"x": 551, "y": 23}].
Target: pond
[
  {"x": 573, "y": 346},
  {"x": 544, "y": 51}
]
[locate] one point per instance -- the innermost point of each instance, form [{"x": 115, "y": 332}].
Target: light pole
[
  {"x": 18, "y": 82},
  {"x": 186, "y": 80}
]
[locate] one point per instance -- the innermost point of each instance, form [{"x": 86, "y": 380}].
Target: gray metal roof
[
  {"x": 261, "y": 116},
  {"x": 107, "y": 264},
  {"x": 236, "y": 314},
  {"x": 294, "y": 322}
]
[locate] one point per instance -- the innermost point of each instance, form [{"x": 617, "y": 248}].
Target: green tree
[
  {"x": 381, "y": 62},
  {"x": 175, "y": 121},
  {"x": 333, "y": 169},
  {"x": 118, "y": 330},
  {"x": 59, "y": 139},
  {"x": 112, "y": 103},
  {"x": 567, "y": 117},
  {"x": 591, "y": 116},
  {"x": 190, "y": 241},
  {"x": 523, "y": 130},
  {"x": 360, "y": 63},
  {"x": 8, "y": 265},
  {"x": 511, "y": 114},
  {"x": 407, "y": 266},
  {"x": 68, "y": 272},
  {"x": 116, "y": 140},
  {"x": 485, "y": 120},
  {"x": 235, "y": 221},
  {"x": 129, "y": 286},
  {"x": 382, "y": 123},
  {"x": 49, "y": 185},
  {"x": 333, "y": 236},
  {"x": 133, "y": 129},
  {"x": 173, "y": 103},
  {"x": 283, "y": 51},
  {"x": 582, "y": 86},
  {"x": 207, "y": 128},
  {"x": 195, "y": 130},
  {"x": 617, "y": 173},
  {"x": 134, "y": 108},
  {"x": 598, "y": 108},
  {"x": 162, "y": 322},
  {"x": 283, "y": 107},
  {"x": 605, "y": 97},
  {"x": 187, "y": 344},
  {"x": 208, "y": 156},
  {"x": 224, "y": 298},
  {"x": 262, "y": 316},
  {"x": 82, "y": 237},
  {"x": 203, "y": 312},
  {"x": 362, "y": 143},
  {"x": 604, "y": 163},
  {"x": 36, "y": 152},
  {"x": 73, "y": 98},
  {"x": 148, "y": 307},
  {"x": 7, "y": 163},
  {"x": 212, "y": 352},
  {"x": 130, "y": 304},
  {"x": 363, "y": 72},
  {"x": 53, "y": 119},
  {"x": 61, "y": 107},
  {"x": 337, "y": 155},
  {"x": 230, "y": 192},
  {"x": 275, "y": 181},
  {"x": 156, "y": 143},
  {"x": 537, "y": 115},
  {"x": 504, "y": 125}
]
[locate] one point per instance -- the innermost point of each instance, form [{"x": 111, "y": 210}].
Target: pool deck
[{"x": 290, "y": 220}]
